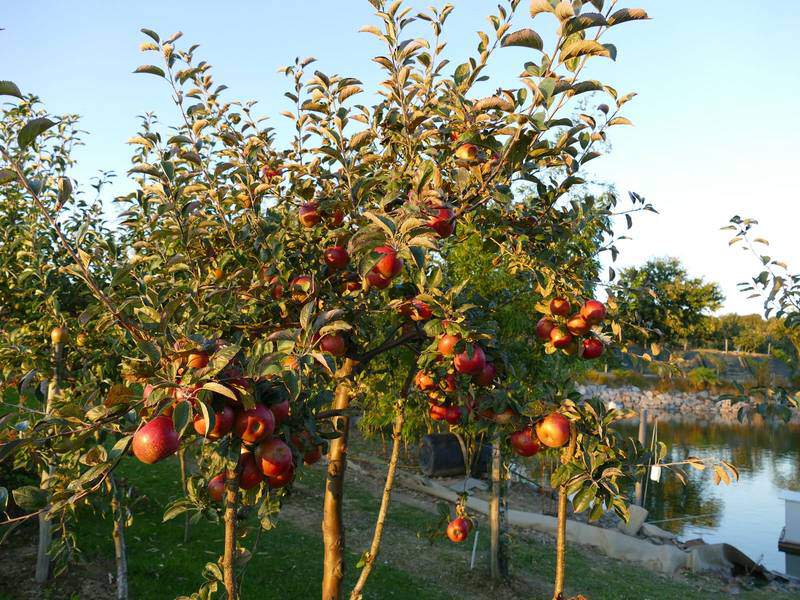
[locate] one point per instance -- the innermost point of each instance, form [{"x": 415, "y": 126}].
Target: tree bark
[
  {"x": 397, "y": 434},
  {"x": 229, "y": 556},
  {"x": 561, "y": 531},
  {"x": 332, "y": 529},
  {"x": 494, "y": 514},
  {"x": 120, "y": 553}
]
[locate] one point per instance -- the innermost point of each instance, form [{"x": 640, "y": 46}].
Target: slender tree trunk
[
  {"x": 182, "y": 461},
  {"x": 332, "y": 528},
  {"x": 494, "y": 514},
  {"x": 397, "y": 434},
  {"x": 561, "y": 531},
  {"x": 229, "y": 556},
  {"x": 120, "y": 553}
]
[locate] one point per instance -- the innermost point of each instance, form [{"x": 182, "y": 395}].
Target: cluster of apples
[
  {"x": 550, "y": 432},
  {"x": 266, "y": 453},
  {"x": 441, "y": 389},
  {"x": 564, "y": 329}
]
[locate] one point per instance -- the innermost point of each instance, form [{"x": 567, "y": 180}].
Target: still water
[{"x": 748, "y": 514}]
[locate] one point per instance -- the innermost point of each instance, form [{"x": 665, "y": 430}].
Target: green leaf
[
  {"x": 9, "y": 88},
  {"x": 527, "y": 38},
  {"x": 3, "y": 498},
  {"x": 581, "y": 500},
  {"x": 627, "y": 14},
  {"x": 30, "y": 497},
  {"x": 578, "y": 47},
  {"x": 33, "y": 129},
  {"x": 7, "y": 175},
  {"x": 151, "y": 69},
  {"x": 584, "y": 21},
  {"x": 151, "y": 34}
]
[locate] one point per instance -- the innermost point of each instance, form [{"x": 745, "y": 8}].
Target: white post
[{"x": 789, "y": 542}]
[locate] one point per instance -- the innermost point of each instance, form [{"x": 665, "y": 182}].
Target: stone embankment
[{"x": 701, "y": 404}]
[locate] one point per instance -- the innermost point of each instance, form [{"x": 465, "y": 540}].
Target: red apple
[
  {"x": 255, "y": 424},
  {"x": 438, "y": 412},
  {"x": 269, "y": 172},
  {"x": 274, "y": 457},
  {"x": 390, "y": 265},
  {"x": 309, "y": 214},
  {"x": 553, "y": 430},
  {"x": 485, "y": 376},
  {"x": 250, "y": 475},
  {"x": 544, "y": 327},
  {"x": 447, "y": 342},
  {"x": 223, "y": 423},
  {"x": 156, "y": 440},
  {"x": 280, "y": 411},
  {"x": 560, "y": 337},
  {"x": 465, "y": 363},
  {"x": 593, "y": 311},
  {"x": 560, "y": 307},
  {"x": 467, "y": 152},
  {"x": 336, "y": 257},
  {"x": 525, "y": 442},
  {"x": 302, "y": 287},
  {"x": 197, "y": 360},
  {"x": 458, "y": 530},
  {"x": 333, "y": 343},
  {"x": 376, "y": 280},
  {"x": 281, "y": 479},
  {"x": 443, "y": 221},
  {"x": 216, "y": 487},
  {"x": 592, "y": 348},
  {"x": 448, "y": 383},
  {"x": 452, "y": 415},
  {"x": 577, "y": 325},
  {"x": 424, "y": 381}
]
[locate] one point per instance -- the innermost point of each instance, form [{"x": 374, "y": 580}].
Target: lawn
[{"x": 287, "y": 563}]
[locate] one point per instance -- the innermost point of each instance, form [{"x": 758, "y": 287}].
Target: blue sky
[{"x": 714, "y": 133}]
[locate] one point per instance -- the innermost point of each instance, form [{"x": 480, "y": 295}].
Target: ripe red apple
[
  {"x": 424, "y": 381},
  {"x": 281, "y": 479},
  {"x": 577, "y": 325},
  {"x": 485, "y": 376},
  {"x": 336, "y": 257},
  {"x": 592, "y": 348},
  {"x": 503, "y": 418},
  {"x": 216, "y": 487},
  {"x": 544, "y": 327},
  {"x": 223, "y": 423},
  {"x": 458, "y": 530},
  {"x": 467, "y": 152},
  {"x": 306, "y": 446},
  {"x": 593, "y": 311},
  {"x": 312, "y": 456},
  {"x": 255, "y": 424},
  {"x": 560, "y": 337},
  {"x": 553, "y": 430},
  {"x": 448, "y": 384},
  {"x": 443, "y": 221},
  {"x": 438, "y": 412},
  {"x": 524, "y": 442},
  {"x": 309, "y": 214},
  {"x": 250, "y": 475},
  {"x": 447, "y": 342},
  {"x": 333, "y": 343},
  {"x": 280, "y": 411},
  {"x": 452, "y": 415},
  {"x": 376, "y": 280},
  {"x": 465, "y": 363},
  {"x": 302, "y": 287},
  {"x": 390, "y": 265},
  {"x": 560, "y": 307},
  {"x": 197, "y": 360},
  {"x": 156, "y": 440},
  {"x": 269, "y": 172},
  {"x": 416, "y": 310},
  {"x": 274, "y": 457}
]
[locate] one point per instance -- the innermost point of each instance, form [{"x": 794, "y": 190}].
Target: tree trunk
[
  {"x": 561, "y": 531},
  {"x": 332, "y": 529},
  {"x": 120, "y": 554},
  {"x": 182, "y": 461},
  {"x": 229, "y": 556},
  {"x": 561, "y": 543},
  {"x": 397, "y": 434},
  {"x": 494, "y": 513}
]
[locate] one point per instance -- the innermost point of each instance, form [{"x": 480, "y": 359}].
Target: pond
[{"x": 748, "y": 514}]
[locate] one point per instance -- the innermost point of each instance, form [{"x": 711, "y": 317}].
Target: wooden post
[
  {"x": 642, "y": 440},
  {"x": 494, "y": 513}
]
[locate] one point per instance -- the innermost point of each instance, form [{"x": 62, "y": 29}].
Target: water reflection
[{"x": 748, "y": 514}]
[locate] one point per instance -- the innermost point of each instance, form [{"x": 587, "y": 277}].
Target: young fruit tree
[{"x": 264, "y": 288}]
